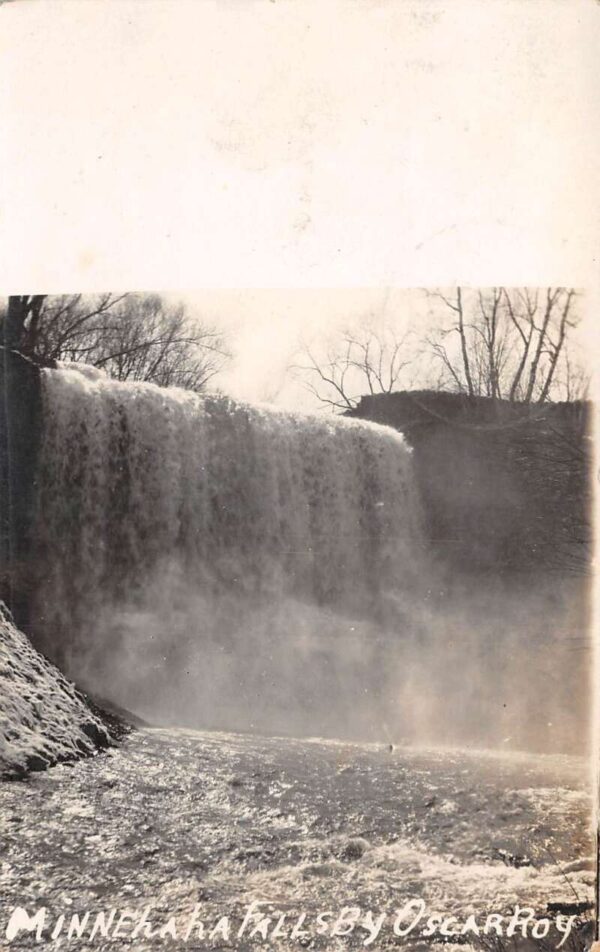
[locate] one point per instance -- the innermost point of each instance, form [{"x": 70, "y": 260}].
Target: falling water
[
  {"x": 209, "y": 563},
  {"x": 182, "y": 533}
]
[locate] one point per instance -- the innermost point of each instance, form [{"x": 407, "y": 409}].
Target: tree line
[
  {"x": 503, "y": 343},
  {"x": 130, "y": 336}
]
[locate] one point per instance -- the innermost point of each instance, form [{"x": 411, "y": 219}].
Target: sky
[{"x": 266, "y": 330}]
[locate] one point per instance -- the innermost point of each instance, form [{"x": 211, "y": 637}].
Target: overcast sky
[{"x": 265, "y": 328}]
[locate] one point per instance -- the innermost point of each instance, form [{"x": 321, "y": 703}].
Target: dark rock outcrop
[
  {"x": 20, "y": 429},
  {"x": 506, "y": 487}
]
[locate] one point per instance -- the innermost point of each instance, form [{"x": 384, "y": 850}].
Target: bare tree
[
  {"x": 513, "y": 344},
  {"x": 574, "y": 382},
  {"x": 130, "y": 336},
  {"x": 21, "y": 315},
  {"x": 365, "y": 360},
  {"x": 506, "y": 343}
]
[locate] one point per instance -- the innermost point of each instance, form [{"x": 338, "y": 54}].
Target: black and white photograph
[
  {"x": 298, "y": 469},
  {"x": 300, "y": 625}
]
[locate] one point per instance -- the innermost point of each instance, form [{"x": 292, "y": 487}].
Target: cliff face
[
  {"x": 20, "y": 425},
  {"x": 506, "y": 487}
]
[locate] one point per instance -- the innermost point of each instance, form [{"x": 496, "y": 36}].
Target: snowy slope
[{"x": 43, "y": 718}]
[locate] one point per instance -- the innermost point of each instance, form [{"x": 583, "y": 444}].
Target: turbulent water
[
  {"x": 184, "y": 822},
  {"x": 214, "y": 565},
  {"x": 222, "y": 550}
]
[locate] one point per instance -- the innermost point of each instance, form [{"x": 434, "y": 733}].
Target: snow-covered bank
[{"x": 43, "y": 718}]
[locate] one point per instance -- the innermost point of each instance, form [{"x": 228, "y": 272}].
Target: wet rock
[
  {"x": 518, "y": 860},
  {"x": 354, "y": 849}
]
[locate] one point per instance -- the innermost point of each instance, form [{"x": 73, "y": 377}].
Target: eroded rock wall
[{"x": 506, "y": 488}]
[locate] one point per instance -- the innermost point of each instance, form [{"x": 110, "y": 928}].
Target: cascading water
[{"x": 215, "y": 562}]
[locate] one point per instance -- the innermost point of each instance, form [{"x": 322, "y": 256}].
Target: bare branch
[
  {"x": 557, "y": 348},
  {"x": 364, "y": 361},
  {"x": 131, "y": 336}
]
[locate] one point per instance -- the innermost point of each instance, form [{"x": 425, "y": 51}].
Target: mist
[
  {"x": 217, "y": 565},
  {"x": 481, "y": 669}
]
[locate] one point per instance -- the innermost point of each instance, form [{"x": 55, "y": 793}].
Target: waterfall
[
  {"x": 208, "y": 563},
  {"x": 199, "y": 555}
]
